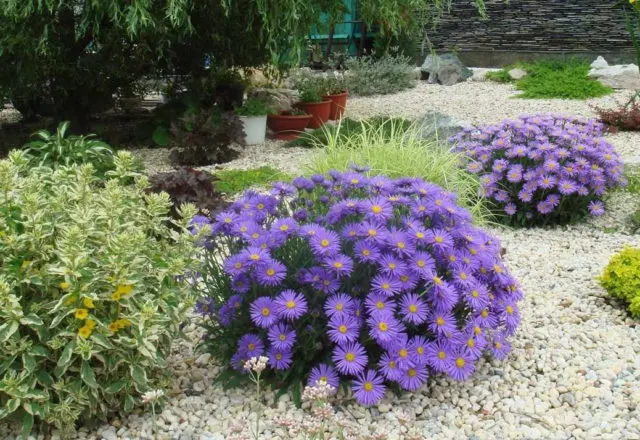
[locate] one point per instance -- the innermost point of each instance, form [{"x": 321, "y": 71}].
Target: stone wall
[{"x": 533, "y": 28}]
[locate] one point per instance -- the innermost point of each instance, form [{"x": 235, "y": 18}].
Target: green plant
[
  {"x": 391, "y": 148},
  {"x": 310, "y": 92},
  {"x": 621, "y": 278},
  {"x": 635, "y": 220},
  {"x": 232, "y": 182},
  {"x": 186, "y": 185},
  {"x": 319, "y": 137},
  {"x": 91, "y": 295},
  {"x": 255, "y": 107},
  {"x": 370, "y": 75},
  {"x": 632, "y": 174},
  {"x": 501, "y": 76},
  {"x": 58, "y": 149}
]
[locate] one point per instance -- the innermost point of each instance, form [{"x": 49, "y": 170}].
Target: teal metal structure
[{"x": 346, "y": 33}]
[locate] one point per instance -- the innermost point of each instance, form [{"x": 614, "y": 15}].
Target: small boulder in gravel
[
  {"x": 517, "y": 74},
  {"x": 623, "y": 76},
  {"x": 599, "y": 63},
  {"x": 437, "y": 125},
  {"x": 445, "y": 69}
]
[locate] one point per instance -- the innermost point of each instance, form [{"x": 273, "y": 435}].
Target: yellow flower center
[
  {"x": 477, "y": 330},
  {"x": 238, "y": 265},
  {"x": 380, "y": 305},
  {"x": 350, "y": 357},
  {"x": 354, "y": 181},
  {"x": 420, "y": 263},
  {"x": 284, "y": 227},
  {"x": 498, "y": 345},
  {"x": 255, "y": 235},
  {"x": 392, "y": 265},
  {"x": 419, "y": 235},
  {"x": 368, "y": 386},
  {"x": 366, "y": 252},
  {"x": 471, "y": 343},
  {"x": 271, "y": 272},
  {"x": 442, "y": 355},
  {"x": 440, "y": 320},
  {"x": 509, "y": 310},
  {"x": 278, "y": 356},
  {"x": 463, "y": 276},
  {"x": 484, "y": 313},
  {"x": 420, "y": 349},
  {"x": 339, "y": 306},
  {"x": 403, "y": 353},
  {"x": 376, "y": 209},
  {"x": 475, "y": 293},
  {"x": 392, "y": 364},
  {"x": 342, "y": 329},
  {"x": 400, "y": 245},
  {"x": 439, "y": 239},
  {"x": 324, "y": 378},
  {"x": 254, "y": 257},
  {"x": 260, "y": 206},
  {"x": 386, "y": 286},
  {"x": 283, "y": 337},
  {"x": 438, "y": 202},
  {"x": 452, "y": 258},
  {"x": 227, "y": 219},
  {"x": 372, "y": 232},
  {"x": 413, "y": 308},
  {"x": 251, "y": 346},
  {"x": 411, "y": 372},
  {"x": 265, "y": 311},
  {"x": 324, "y": 243},
  {"x": 337, "y": 265},
  {"x": 291, "y": 304},
  {"x": 460, "y": 362},
  {"x": 497, "y": 268},
  {"x": 437, "y": 280}
]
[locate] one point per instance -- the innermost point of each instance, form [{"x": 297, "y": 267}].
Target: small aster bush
[
  {"x": 542, "y": 169},
  {"x": 621, "y": 278},
  {"x": 359, "y": 282},
  {"x": 90, "y": 299}
]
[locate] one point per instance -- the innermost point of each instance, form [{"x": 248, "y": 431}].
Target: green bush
[
  {"x": 319, "y": 137},
  {"x": 235, "y": 181},
  {"x": 549, "y": 79},
  {"x": 57, "y": 149},
  {"x": 392, "y": 149},
  {"x": 633, "y": 180},
  {"x": 89, "y": 294},
  {"x": 369, "y": 75},
  {"x": 621, "y": 278}
]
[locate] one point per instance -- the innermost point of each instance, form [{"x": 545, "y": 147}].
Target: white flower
[
  {"x": 152, "y": 396},
  {"x": 256, "y": 364}
]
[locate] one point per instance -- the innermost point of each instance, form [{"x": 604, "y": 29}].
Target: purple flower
[
  {"x": 262, "y": 312},
  {"x": 461, "y": 366},
  {"x": 325, "y": 243},
  {"x": 385, "y": 285},
  {"x": 500, "y": 346},
  {"x": 368, "y": 388},
  {"x": 392, "y": 265},
  {"x": 438, "y": 356},
  {"x": 324, "y": 373},
  {"x": 389, "y": 367},
  {"x": 441, "y": 323},
  {"x": 413, "y": 378},
  {"x": 271, "y": 272},
  {"x": 279, "y": 359},
  {"x": 596, "y": 208},
  {"x": 413, "y": 309},
  {"x": 281, "y": 337},
  {"x": 377, "y": 209},
  {"x": 350, "y": 358},
  {"x": 290, "y": 305},
  {"x": 419, "y": 346},
  {"x": 251, "y": 345},
  {"x": 384, "y": 328},
  {"x": 366, "y": 252},
  {"x": 379, "y": 303},
  {"x": 343, "y": 329},
  {"x": 341, "y": 265},
  {"x": 339, "y": 305}
]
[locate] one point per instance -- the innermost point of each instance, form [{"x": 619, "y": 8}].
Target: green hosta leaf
[
  {"x": 139, "y": 376},
  {"x": 27, "y": 424},
  {"x": 28, "y": 362},
  {"x": 129, "y": 403},
  {"x": 87, "y": 375},
  {"x": 31, "y": 319},
  {"x": 115, "y": 387},
  {"x": 7, "y": 330}
]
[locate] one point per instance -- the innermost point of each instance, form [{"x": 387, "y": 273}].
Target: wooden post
[
  {"x": 363, "y": 38},
  {"x": 332, "y": 28}
]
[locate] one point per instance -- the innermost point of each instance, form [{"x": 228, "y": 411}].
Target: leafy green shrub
[
  {"x": 621, "y": 278},
  {"x": 633, "y": 180},
  {"x": 500, "y": 76},
  {"x": 369, "y": 75},
  {"x": 56, "y": 149},
  {"x": 319, "y": 137},
  {"x": 89, "y": 294},
  {"x": 392, "y": 149},
  {"x": 186, "y": 185},
  {"x": 255, "y": 107},
  {"x": 234, "y": 181}
]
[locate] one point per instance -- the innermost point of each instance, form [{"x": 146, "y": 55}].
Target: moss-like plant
[
  {"x": 621, "y": 278},
  {"x": 235, "y": 181}
]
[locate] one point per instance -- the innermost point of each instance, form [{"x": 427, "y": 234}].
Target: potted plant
[
  {"x": 228, "y": 89},
  {"x": 253, "y": 114},
  {"x": 311, "y": 102},
  {"x": 336, "y": 92},
  {"x": 290, "y": 124}
]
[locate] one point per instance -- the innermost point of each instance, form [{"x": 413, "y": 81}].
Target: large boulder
[
  {"x": 445, "y": 69},
  {"x": 282, "y": 99},
  {"x": 621, "y": 76},
  {"x": 436, "y": 125}
]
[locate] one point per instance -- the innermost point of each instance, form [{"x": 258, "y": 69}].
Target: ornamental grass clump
[
  {"x": 542, "y": 169},
  {"x": 356, "y": 281},
  {"x": 90, "y": 294}
]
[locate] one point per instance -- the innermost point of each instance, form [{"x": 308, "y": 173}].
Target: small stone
[
  {"x": 203, "y": 359},
  {"x": 517, "y": 74},
  {"x": 566, "y": 302}
]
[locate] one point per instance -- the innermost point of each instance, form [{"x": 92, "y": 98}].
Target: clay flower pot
[
  {"x": 288, "y": 127},
  {"x": 338, "y": 104},
  {"x": 319, "y": 111}
]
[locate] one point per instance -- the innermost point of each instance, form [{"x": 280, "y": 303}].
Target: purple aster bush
[
  {"x": 542, "y": 169},
  {"x": 367, "y": 283}
]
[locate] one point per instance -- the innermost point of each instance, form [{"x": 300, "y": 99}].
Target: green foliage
[
  {"x": 395, "y": 150},
  {"x": 635, "y": 220},
  {"x": 232, "y": 182},
  {"x": 255, "y": 107},
  {"x": 632, "y": 174},
  {"x": 500, "y": 76},
  {"x": 319, "y": 138},
  {"x": 89, "y": 297},
  {"x": 58, "y": 149},
  {"x": 621, "y": 278},
  {"x": 370, "y": 75}
]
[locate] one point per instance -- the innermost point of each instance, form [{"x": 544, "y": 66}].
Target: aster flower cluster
[
  {"x": 541, "y": 169},
  {"x": 354, "y": 280}
]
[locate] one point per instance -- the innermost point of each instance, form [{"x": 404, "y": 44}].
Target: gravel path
[{"x": 575, "y": 367}]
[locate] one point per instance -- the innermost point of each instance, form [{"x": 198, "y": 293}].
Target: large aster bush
[
  {"x": 542, "y": 169},
  {"x": 358, "y": 281}
]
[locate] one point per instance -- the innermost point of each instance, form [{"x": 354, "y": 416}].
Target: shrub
[
  {"x": 542, "y": 169},
  {"x": 621, "y": 278},
  {"x": 395, "y": 149},
  {"x": 255, "y": 107},
  {"x": 369, "y": 75},
  {"x": 186, "y": 185},
  {"x": 500, "y": 76},
  {"x": 232, "y": 182},
  {"x": 54, "y": 150},
  {"x": 626, "y": 117},
  {"x": 632, "y": 174},
  {"x": 355, "y": 279},
  {"x": 89, "y": 299}
]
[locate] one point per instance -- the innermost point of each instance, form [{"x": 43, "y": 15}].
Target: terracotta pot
[
  {"x": 319, "y": 111},
  {"x": 288, "y": 126},
  {"x": 338, "y": 104}
]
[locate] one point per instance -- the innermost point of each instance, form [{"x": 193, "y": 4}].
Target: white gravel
[{"x": 574, "y": 372}]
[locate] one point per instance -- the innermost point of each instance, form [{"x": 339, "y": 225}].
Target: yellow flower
[
  {"x": 122, "y": 323},
  {"x": 81, "y": 313},
  {"x": 114, "y": 327},
  {"x": 90, "y": 323},
  {"x": 84, "y": 332},
  {"x": 25, "y": 265},
  {"x": 124, "y": 289},
  {"x": 70, "y": 300},
  {"x": 88, "y": 303},
  {"x": 116, "y": 296},
  {"x": 64, "y": 285}
]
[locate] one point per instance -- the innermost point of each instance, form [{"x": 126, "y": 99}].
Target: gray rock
[
  {"x": 479, "y": 74},
  {"x": 445, "y": 69},
  {"x": 109, "y": 434},
  {"x": 517, "y": 74},
  {"x": 599, "y": 63},
  {"x": 437, "y": 125},
  {"x": 623, "y": 76}
]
